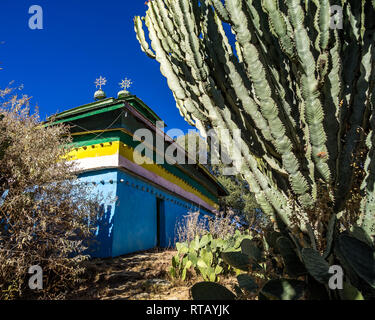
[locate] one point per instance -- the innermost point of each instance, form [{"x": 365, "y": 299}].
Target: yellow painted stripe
[
  {"x": 151, "y": 147},
  {"x": 117, "y": 147}
]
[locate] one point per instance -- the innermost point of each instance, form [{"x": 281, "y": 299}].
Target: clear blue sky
[{"x": 81, "y": 40}]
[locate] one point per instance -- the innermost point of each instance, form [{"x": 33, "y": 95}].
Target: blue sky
[{"x": 81, "y": 40}]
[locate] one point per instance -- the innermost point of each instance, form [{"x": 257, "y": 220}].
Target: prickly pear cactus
[
  {"x": 203, "y": 254},
  {"x": 356, "y": 257}
]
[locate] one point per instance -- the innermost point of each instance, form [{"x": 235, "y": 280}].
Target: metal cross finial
[
  {"x": 126, "y": 83},
  {"x": 100, "y": 82}
]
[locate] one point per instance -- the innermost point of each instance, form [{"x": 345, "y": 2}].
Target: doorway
[{"x": 160, "y": 223}]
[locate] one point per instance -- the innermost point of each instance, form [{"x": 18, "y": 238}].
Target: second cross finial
[{"x": 125, "y": 85}]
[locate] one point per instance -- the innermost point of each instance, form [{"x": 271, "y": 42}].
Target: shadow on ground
[{"x": 138, "y": 276}]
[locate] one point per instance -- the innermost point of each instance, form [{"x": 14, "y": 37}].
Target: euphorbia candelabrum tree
[{"x": 300, "y": 87}]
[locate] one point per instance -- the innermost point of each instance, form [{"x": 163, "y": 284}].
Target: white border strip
[{"x": 116, "y": 160}]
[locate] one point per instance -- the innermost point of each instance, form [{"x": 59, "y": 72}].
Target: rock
[
  {"x": 121, "y": 277},
  {"x": 141, "y": 296},
  {"x": 158, "y": 283}
]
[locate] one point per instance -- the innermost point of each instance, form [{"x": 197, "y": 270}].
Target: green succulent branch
[{"x": 300, "y": 91}]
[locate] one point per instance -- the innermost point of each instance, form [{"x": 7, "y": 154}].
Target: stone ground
[{"x": 139, "y": 276}]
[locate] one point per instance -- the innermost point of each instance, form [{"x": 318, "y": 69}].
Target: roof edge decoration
[{"x": 133, "y": 100}]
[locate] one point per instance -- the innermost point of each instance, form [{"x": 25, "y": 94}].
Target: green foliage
[
  {"x": 316, "y": 265},
  {"x": 211, "y": 291},
  {"x": 204, "y": 255},
  {"x": 251, "y": 250},
  {"x": 247, "y": 283},
  {"x": 283, "y": 289},
  {"x": 293, "y": 265},
  {"x": 237, "y": 260},
  {"x": 350, "y": 293},
  {"x": 357, "y": 258},
  {"x": 240, "y": 200}
]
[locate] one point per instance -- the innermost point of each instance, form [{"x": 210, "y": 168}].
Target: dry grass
[{"x": 194, "y": 223}]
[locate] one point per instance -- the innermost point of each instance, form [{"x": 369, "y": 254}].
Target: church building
[{"x": 141, "y": 203}]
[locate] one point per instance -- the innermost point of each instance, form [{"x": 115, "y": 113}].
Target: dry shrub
[
  {"x": 195, "y": 224},
  {"x": 45, "y": 213},
  {"x": 224, "y": 225},
  {"x": 190, "y": 226}
]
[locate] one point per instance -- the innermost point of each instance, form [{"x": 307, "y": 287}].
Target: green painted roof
[{"x": 104, "y": 106}]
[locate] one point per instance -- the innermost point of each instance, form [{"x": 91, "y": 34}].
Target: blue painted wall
[
  {"x": 100, "y": 185},
  {"x": 129, "y": 204}
]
